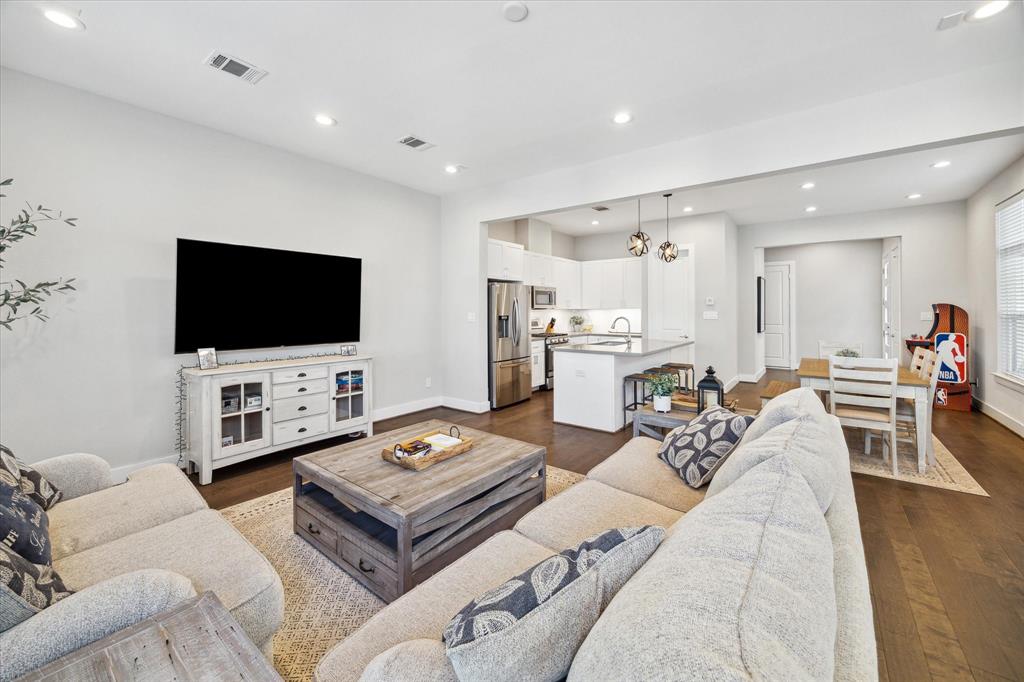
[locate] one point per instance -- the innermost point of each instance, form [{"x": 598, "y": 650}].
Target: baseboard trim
[
  {"x": 730, "y": 384},
  {"x": 466, "y": 405},
  {"x": 1006, "y": 420},
  {"x": 406, "y": 408},
  {"x": 120, "y": 474},
  {"x": 753, "y": 378}
]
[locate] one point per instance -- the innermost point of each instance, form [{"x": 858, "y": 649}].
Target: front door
[{"x": 777, "y": 315}]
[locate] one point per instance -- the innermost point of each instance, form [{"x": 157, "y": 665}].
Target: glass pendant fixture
[
  {"x": 667, "y": 251},
  {"x": 639, "y": 241}
]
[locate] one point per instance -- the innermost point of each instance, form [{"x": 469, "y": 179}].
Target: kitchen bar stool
[
  {"x": 686, "y": 375},
  {"x": 641, "y": 379}
]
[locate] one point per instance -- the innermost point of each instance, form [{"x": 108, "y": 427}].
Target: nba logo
[
  {"x": 951, "y": 349},
  {"x": 940, "y": 396}
]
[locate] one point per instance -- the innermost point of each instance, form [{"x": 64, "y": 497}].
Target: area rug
[
  {"x": 946, "y": 473},
  {"x": 323, "y": 604}
]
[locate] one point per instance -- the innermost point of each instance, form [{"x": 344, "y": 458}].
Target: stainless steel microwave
[{"x": 542, "y": 297}]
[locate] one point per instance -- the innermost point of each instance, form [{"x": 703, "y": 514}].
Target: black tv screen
[{"x": 232, "y": 297}]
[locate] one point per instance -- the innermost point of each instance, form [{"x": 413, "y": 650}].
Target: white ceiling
[
  {"x": 504, "y": 99},
  {"x": 852, "y": 187}
]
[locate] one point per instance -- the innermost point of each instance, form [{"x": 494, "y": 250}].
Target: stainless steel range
[{"x": 551, "y": 341}]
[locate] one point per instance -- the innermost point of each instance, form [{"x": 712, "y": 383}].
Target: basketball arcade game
[{"x": 948, "y": 337}]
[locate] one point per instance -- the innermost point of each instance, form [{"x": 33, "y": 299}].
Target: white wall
[
  {"x": 610, "y": 245},
  {"x": 563, "y": 245},
  {"x": 934, "y": 267},
  {"x": 100, "y": 376},
  {"x": 838, "y": 292},
  {"x": 1000, "y": 400},
  {"x": 970, "y": 102}
]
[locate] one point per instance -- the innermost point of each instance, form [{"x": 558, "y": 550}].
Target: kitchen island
[{"x": 588, "y": 378}]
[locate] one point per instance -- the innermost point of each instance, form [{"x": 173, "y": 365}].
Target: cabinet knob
[
  {"x": 302, "y": 408},
  {"x": 302, "y": 430},
  {"x": 301, "y": 374},
  {"x": 312, "y": 530},
  {"x": 268, "y": 408},
  {"x": 302, "y": 389}
]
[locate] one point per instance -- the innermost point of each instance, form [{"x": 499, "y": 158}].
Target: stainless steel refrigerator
[{"x": 508, "y": 333}]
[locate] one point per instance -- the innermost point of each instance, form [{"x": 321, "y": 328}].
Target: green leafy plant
[
  {"x": 664, "y": 384},
  {"x": 848, "y": 353},
  {"x": 576, "y": 320},
  {"x": 18, "y": 296}
]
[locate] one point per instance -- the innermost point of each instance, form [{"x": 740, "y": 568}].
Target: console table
[{"x": 237, "y": 412}]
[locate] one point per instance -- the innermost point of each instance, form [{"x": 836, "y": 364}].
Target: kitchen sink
[{"x": 609, "y": 343}]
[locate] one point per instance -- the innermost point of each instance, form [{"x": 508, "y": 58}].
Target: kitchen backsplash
[{"x": 601, "y": 319}]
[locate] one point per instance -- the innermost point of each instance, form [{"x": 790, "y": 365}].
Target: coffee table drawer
[
  {"x": 316, "y": 532},
  {"x": 370, "y": 568},
  {"x": 297, "y": 429}
]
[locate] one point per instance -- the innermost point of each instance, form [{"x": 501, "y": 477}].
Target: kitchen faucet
[{"x": 629, "y": 329}]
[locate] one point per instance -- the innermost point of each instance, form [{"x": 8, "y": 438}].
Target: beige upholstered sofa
[
  {"x": 631, "y": 488},
  {"x": 132, "y": 550}
]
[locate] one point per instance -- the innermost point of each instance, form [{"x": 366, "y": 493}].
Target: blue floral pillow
[{"x": 696, "y": 450}]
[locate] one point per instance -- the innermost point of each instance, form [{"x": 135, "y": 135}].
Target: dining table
[{"x": 813, "y": 373}]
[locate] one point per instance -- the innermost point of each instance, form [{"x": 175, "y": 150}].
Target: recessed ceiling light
[
  {"x": 595, "y": 222},
  {"x": 325, "y": 120},
  {"x": 687, "y": 209},
  {"x": 622, "y": 117},
  {"x": 811, "y": 209},
  {"x": 989, "y": 9},
  {"x": 940, "y": 164},
  {"x": 807, "y": 185},
  {"x": 453, "y": 168},
  {"x": 915, "y": 195},
  {"x": 515, "y": 11},
  {"x": 64, "y": 19}
]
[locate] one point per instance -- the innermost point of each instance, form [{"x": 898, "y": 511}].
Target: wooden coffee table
[{"x": 392, "y": 528}]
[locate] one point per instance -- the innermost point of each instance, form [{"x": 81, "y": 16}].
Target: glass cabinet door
[
  {"x": 348, "y": 385},
  {"x": 241, "y": 413}
]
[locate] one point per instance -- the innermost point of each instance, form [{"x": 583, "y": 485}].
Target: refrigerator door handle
[{"x": 515, "y": 321}]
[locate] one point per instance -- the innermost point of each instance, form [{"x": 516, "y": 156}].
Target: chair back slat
[
  {"x": 863, "y": 382},
  {"x": 862, "y": 400},
  {"x": 863, "y": 387},
  {"x": 858, "y": 374}
]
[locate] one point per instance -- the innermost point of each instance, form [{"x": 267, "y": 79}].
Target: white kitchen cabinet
[
  {"x": 539, "y": 270},
  {"x": 537, "y": 373},
  {"x": 611, "y": 284},
  {"x": 632, "y": 283},
  {"x": 612, "y": 294},
  {"x": 505, "y": 260},
  {"x": 590, "y": 284},
  {"x": 567, "y": 283}
]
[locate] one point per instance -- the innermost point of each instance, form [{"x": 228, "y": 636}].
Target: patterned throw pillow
[
  {"x": 699, "y": 448},
  {"x": 531, "y": 626},
  {"x": 31, "y": 481},
  {"x": 25, "y": 588},
  {"x": 24, "y": 526}
]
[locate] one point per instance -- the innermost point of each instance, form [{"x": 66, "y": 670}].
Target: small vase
[{"x": 662, "y": 403}]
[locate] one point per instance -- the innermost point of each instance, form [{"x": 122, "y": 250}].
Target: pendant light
[
  {"x": 639, "y": 241},
  {"x": 667, "y": 251}
]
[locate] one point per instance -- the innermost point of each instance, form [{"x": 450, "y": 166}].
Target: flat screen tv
[{"x": 232, "y": 297}]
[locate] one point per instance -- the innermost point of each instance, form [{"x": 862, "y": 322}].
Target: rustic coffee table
[{"x": 391, "y": 528}]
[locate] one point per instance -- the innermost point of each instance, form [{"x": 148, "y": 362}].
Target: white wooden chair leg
[
  {"x": 867, "y": 442},
  {"x": 892, "y": 448}
]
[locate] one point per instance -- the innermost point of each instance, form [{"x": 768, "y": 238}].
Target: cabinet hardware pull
[
  {"x": 364, "y": 569},
  {"x": 268, "y": 408},
  {"x": 301, "y": 374},
  {"x": 313, "y": 530},
  {"x": 302, "y": 408},
  {"x": 302, "y": 430},
  {"x": 302, "y": 390}
]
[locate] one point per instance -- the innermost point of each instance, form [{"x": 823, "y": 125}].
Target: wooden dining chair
[
  {"x": 862, "y": 394},
  {"x": 928, "y": 369}
]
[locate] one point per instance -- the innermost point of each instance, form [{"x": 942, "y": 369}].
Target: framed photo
[{"x": 207, "y": 358}]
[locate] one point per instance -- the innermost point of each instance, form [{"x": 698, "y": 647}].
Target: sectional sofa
[{"x": 768, "y": 581}]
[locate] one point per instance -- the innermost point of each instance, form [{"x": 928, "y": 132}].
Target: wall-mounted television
[{"x": 232, "y": 297}]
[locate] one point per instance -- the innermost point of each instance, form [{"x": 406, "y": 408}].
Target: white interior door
[
  {"x": 670, "y": 297},
  {"x": 891, "y": 302},
  {"x": 778, "y": 313}
]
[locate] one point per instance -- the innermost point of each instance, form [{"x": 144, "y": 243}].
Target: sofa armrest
[
  {"x": 76, "y": 474},
  {"x": 89, "y": 615}
]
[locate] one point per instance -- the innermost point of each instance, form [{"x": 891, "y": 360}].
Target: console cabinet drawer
[
  {"x": 300, "y": 388},
  {"x": 297, "y": 429},
  {"x": 284, "y": 376},
  {"x": 302, "y": 406}
]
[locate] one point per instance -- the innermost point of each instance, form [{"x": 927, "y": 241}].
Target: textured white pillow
[{"x": 781, "y": 409}]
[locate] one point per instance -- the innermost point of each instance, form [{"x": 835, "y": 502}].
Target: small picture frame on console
[{"x": 207, "y": 358}]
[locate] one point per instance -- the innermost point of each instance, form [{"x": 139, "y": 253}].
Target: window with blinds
[{"x": 1010, "y": 286}]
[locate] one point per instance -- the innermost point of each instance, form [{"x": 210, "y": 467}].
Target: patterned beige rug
[
  {"x": 322, "y": 604},
  {"x": 947, "y": 473}
]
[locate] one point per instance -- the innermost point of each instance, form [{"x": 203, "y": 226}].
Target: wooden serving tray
[
  {"x": 684, "y": 401},
  {"x": 428, "y": 460}
]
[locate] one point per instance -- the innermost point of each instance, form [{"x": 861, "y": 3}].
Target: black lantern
[{"x": 710, "y": 391}]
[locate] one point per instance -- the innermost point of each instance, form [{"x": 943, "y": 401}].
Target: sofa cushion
[
  {"x": 697, "y": 449},
  {"x": 810, "y": 443},
  {"x": 149, "y": 497},
  {"x": 204, "y": 548},
  {"x": 24, "y": 526},
  {"x": 743, "y": 588},
  {"x": 32, "y": 483},
  {"x": 25, "y": 588},
  {"x": 588, "y": 508},
  {"x": 424, "y": 611},
  {"x": 781, "y": 409},
  {"x": 418, "y": 660},
  {"x": 636, "y": 469},
  {"x": 530, "y": 627}
]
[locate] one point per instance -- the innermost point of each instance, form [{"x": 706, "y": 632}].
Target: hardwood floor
[{"x": 946, "y": 568}]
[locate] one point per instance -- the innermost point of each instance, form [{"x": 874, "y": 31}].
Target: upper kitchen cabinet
[
  {"x": 505, "y": 260},
  {"x": 540, "y": 270},
  {"x": 567, "y": 283},
  {"x": 632, "y": 282},
  {"x": 615, "y": 283},
  {"x": 590, "y": 285}
]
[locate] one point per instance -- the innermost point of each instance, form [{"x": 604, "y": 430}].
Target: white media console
[{"x": 237, "y": 412}]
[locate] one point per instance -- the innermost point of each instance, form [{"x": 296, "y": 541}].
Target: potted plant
[
  {"x": 847, "y": 353},
  {"x": 662, "y": 388},
  {"x": 576, "y": 321}
]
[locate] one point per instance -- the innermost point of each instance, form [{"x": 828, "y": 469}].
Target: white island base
[{"x": 588, "y": 380}]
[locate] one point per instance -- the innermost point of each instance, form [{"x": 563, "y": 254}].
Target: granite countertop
[{"x": 638, "y": 348}]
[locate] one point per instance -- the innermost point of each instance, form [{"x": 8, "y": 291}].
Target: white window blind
[{"x": 1010, "y": 286}]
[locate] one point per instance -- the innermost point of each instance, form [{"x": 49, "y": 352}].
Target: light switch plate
[
  {"x": 710, "y": 314},
  {"x": 710, "y": 300}
]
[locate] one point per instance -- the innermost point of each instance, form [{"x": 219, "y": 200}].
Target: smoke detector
[
  {"x": 236, "y": 67},
  {"x": 415, "y": 143}
]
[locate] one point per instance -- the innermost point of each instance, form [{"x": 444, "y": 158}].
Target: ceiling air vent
[
  {"x": 236, "y": 67},
  {"x": 599, "y": 208},
  {"x": 413, "y": 142}
]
